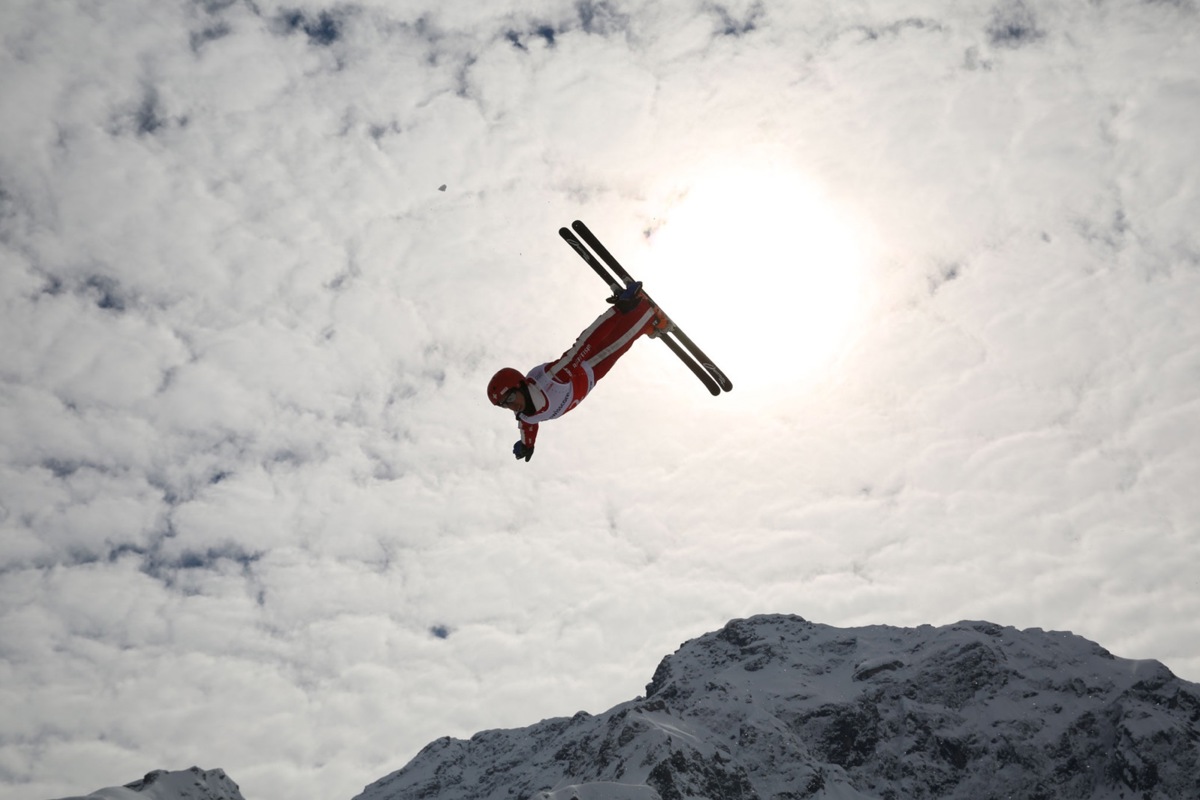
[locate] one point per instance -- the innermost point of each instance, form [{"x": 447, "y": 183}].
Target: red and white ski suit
[{"x": 565, "y": 382}]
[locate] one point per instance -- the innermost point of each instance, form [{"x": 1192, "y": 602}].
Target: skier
[{"x": 554, "y": 388}]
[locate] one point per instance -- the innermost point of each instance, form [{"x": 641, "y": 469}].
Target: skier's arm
[
  {"x": 529, "y": 431},
  {"x": 524, "y": 446}
]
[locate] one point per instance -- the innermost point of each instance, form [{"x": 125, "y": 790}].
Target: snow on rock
[
  {"x": 779, "y": 708},
  {"x": 187, "y": 784}
]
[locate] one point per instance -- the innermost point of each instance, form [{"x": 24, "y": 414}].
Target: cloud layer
[{"x": 255, "y": 512}]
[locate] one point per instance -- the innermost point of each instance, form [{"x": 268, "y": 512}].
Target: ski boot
[
  {"x": 627, "y": 300},
  {"x": 659, "y": 324}
]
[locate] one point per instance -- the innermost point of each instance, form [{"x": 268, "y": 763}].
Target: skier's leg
[
  {"x": 618, "y": 338},
  {"x": 606, "y": 340}
]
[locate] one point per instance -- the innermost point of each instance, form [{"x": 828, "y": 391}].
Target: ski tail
[
  {"x": 699, "y": 371},
  {"x": 717, "y": 374}
]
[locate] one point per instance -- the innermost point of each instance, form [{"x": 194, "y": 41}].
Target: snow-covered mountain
[
  {"x": 184, "y": 784},
  {"x": 778, "y": 708}
]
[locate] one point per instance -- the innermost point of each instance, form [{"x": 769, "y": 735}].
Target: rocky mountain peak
[
  {"x": 779, "y": 708},
  {"x": 185, "y": 784}
]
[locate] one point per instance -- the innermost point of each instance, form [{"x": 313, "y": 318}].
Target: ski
[
  {"x": 590, "y": 260},
  {"x": 700, "y": 372},
  {"x": 703, "y": 371},
  {"x": 709, "y": 365}
]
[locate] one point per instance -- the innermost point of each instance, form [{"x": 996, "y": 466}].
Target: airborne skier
[{"x": 552, "y": 389}]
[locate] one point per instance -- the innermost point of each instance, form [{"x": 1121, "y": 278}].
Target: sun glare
[{"x": 764, "y": 269}]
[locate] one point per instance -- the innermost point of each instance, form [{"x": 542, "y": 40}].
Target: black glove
[{"x": 521, "y": 451}]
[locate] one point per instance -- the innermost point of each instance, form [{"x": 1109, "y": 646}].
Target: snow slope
[{"x": 777, "y": 707}]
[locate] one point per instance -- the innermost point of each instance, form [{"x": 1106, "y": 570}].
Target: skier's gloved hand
[{"x": 521, "y": 451}]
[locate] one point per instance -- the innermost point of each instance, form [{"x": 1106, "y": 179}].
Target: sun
[{"x": 765, "y": 273}]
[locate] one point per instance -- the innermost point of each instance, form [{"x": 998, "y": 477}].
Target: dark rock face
[{"x": 778, "y": 708}]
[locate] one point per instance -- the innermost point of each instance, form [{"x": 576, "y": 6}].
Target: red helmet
[{"x": 502, "y": 383}]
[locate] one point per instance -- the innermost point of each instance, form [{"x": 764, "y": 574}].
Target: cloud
[
  {"x": 246, "y": 468},
  {"x": 1013, "y": 25}
]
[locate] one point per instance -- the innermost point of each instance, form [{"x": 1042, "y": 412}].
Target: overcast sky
[{"x": 255, "y": 511}]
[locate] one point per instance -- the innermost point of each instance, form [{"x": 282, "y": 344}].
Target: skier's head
[{"x": 503, "y": 385}]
